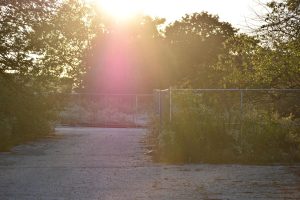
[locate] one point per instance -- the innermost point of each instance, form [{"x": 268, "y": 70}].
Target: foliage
[
  {"x": 39, "y": 54},
  {"x": 282, "y": 22},
  {"x": 203, "y": 131},
  {"x": 195, "y": 42},
  {"x": 268, "y": 60},
  {"x": 281, "y": 32},
  {"x": 62, "y": 42},
  {"x": 267, "y": 137},
  {"x": 247, "y": 64},
  {"x": 24, "y": 114},
  {"x": 136, "y": 47}
]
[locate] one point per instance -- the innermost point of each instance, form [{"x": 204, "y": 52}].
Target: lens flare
[{"x": 120, "y": 9}]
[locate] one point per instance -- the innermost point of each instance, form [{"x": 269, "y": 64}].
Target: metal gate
[{"x": 107, "y": 110}]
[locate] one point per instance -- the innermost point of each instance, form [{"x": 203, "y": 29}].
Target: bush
[
  {"x": 24, "y": 114},
  {"x": 267, "y": 137},
  {"x": 203, "y": 131}
]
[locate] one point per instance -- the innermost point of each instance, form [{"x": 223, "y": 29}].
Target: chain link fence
[
  {"x": 231, "y": 105},
  {"x": 227, "y": 125},
  {"x": 106, "y": 110},
  {"x": 135, "y": 110}
]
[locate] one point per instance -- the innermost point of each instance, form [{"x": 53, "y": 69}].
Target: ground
[{"x": 96, "y": 163}]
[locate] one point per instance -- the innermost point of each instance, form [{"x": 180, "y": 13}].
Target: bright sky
[{"x": 237, "y": 12}]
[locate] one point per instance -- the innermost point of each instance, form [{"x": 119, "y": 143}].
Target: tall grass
[{"x": 207, "y": 128}]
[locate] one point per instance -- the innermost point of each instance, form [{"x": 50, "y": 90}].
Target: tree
[
  {"x": 17, "y": 63},
  {"x": 39, "y": 53},
  {"x": 17, "y": 20},
  {"x": 282, "y": 22},
  {"x": 281, "y": 31},
  {"x": 268, "y": 60},
  {"x": 125, "y": 57},
  {"x": 196, "y": 41},
  {"x": 236, "y": 67},
  {"x": 45, "y": 40}
]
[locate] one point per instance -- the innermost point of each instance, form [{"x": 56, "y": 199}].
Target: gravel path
[{"x": 95, "y": 163}]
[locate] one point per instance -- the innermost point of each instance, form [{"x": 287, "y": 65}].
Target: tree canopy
[
  {"x": 41, "y": 45},
  {"x": 196, "y": 42}
]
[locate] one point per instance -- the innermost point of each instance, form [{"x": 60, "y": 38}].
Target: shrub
[
  {"x": 267, "y": 137},
  {"x": 24, "y": 114},
  {"x": 203, "y": 131}
]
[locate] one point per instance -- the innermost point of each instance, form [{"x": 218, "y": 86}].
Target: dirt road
[{"x": 110, "y": 164}]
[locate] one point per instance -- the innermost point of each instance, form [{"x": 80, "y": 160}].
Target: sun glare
[
  {"x": 171, "y": 10},
  {"x": 121, "y": 9}
]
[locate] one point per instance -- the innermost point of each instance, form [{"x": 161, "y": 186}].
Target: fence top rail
[
  {"x": 105, "y": 94},
  {"x": 236, "y": 89},
  {"x": 165, "y": 90}
]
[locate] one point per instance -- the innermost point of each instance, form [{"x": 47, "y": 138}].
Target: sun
[{"x": 121, "y": 9}]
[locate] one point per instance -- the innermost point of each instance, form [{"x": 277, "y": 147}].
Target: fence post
[
  {"x": 170, "y": 96},
  {"x": 241, "y": 109},
  {"x": 94, "y": 111},
  {"x": 159, "y": 109},
  {"x": 136, "y": 110},
  {"x": 105, "y": 107},
  {"x": 159, "y": 103},
  {"x": 81, "y": 105}
]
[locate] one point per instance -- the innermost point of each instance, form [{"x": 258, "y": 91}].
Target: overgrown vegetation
[
  {"x": 208, "y": 127},
  {"x": 24, "y": 114},
  {"x": 41, "y": 49}
]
